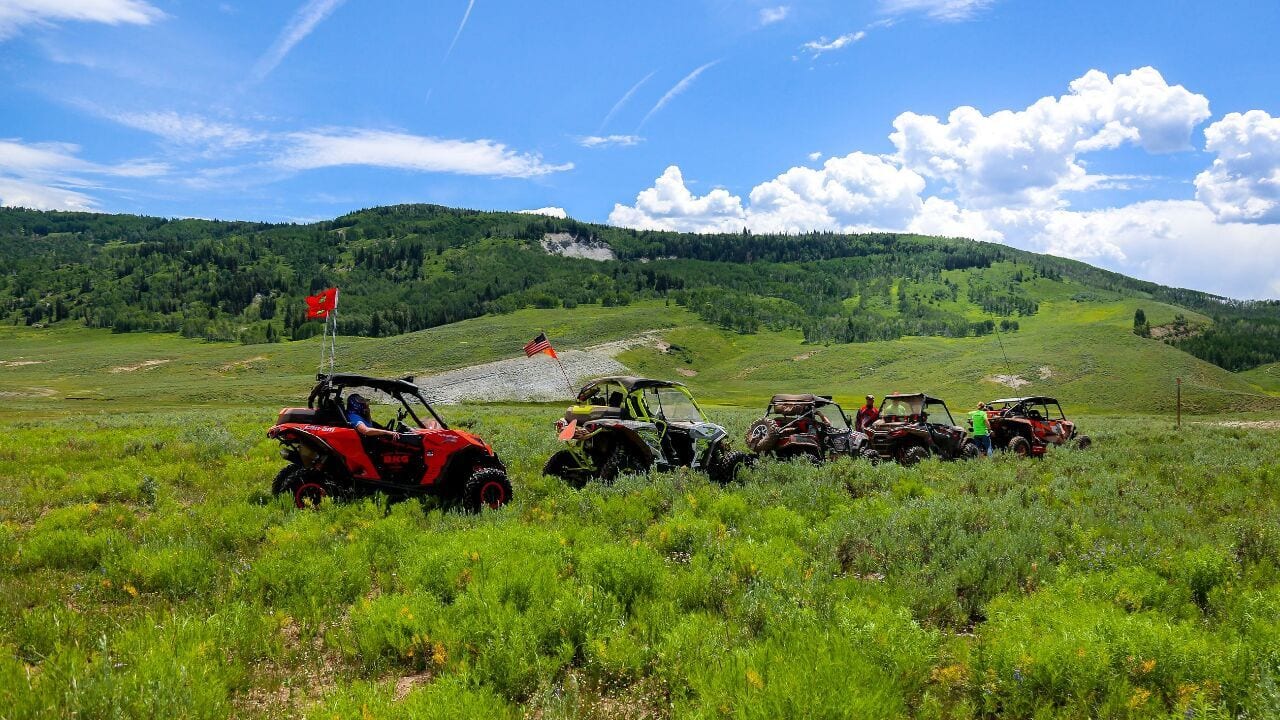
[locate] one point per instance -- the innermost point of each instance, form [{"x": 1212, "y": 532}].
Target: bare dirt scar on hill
[
  {"x": 138, "y": 366},
  {"x": 535, "y": 379},
  {"x": 1251, "y": 424},
  {"x": 19, "y": 363}
]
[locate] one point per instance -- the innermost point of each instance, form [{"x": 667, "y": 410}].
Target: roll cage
[
  {"x": 637, "y": 399},
  {"x": 1037, "y": 407},
  {"x": 913, "y": 407},
  {"x": 326, "y": 397}
]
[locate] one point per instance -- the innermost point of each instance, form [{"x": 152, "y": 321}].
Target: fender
[
  {"x": 628, "y": 431},
  {"x": 340, "y": 442}
]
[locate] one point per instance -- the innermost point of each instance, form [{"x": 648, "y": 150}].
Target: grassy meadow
[{"x": 146, "y": 573}]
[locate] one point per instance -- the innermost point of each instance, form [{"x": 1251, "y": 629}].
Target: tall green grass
[{"x": 145, "y": 573}]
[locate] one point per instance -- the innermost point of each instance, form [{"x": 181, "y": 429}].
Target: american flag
[{"x": 539, "y": 344}]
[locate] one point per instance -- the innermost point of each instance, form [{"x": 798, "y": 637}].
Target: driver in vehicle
[{"x": 361, "y": 420}]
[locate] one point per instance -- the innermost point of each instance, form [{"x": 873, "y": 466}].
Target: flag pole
[
  {"x": 333, "y": 336},
  {"x": 567, "y": 382}
]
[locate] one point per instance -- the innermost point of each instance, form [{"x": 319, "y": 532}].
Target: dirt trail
[
  {"x": 532, "y": 379},
  {"x": 138, "y": 366},
  {"x": 1251, "y": 424}
]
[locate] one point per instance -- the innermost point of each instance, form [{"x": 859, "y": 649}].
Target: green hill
[{"x": 426, "y": 288}]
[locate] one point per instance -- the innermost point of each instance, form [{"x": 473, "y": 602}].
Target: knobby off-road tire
[
  {"x": 487, "y": 487},
  {"x": 914, "y": 454},
  {"x": 565, "y": 466},
  {"x": 622, "y": 459},
  {"x": 970, "y": 451},
  {"x": 728, "y": 467},
  {"x": 307, "y": 487},
  {"x": 763, "y": 435},
  {"x": 871, "y": 456},
  {"x": 1019, "y": 446},
  {"x": 285, "y": 479},
  {"x": 808, "y": 455}
]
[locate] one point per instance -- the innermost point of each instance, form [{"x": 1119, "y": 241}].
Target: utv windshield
[
  {"x": 673, "y": 404},
  {"x": 937, "y": 410},
  {"x": 900, "y": 407}
]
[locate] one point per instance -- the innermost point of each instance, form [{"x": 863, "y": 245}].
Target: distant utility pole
[{"x": 1179, "y": 403}]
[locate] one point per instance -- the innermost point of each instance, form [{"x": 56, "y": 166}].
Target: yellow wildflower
[{"x": 754, "y": 679}]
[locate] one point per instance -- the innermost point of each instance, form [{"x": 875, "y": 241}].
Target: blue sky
[{"x": 1139, "y": 136}]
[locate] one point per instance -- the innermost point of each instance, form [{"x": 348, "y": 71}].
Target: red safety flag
[
  {"x": 540, "y": 344},
  {"x": 569, "y": 431},
  {"x": 320, "y": 305}
]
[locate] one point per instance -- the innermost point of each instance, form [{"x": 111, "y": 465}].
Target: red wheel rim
[
  {"x": 493, "y": 494},
  {"x": 309, "y": 495}
]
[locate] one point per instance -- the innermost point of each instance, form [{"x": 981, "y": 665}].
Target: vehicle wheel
[
  {"x": 730, "y": 465},
  {"x": 809, "y": 456},
  {"x": 565, "y": 466},
  {"x": 763, "y": 435},
  {"x": 1019, "y": 446},
  {"x": 1083, "y": 442},
  {"x": 914, "y": 454},
  {"x": 487, "y": 487},
  {"x": 309, "y": 495},
  {"x": 871, "y": 456},
  {"x": 622, "y": 460},
  {"x": 287, "y": 480},
  {"x": 970, "y": 450}
]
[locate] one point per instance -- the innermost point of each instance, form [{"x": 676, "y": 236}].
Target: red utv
[
  {"x": 915, "y": 426},
  {"x": 1029, "y": 425},
  {"x": 799, "y": 426},
  {"x": 328, "y": 458}
]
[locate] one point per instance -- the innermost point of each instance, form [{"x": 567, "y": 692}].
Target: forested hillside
[{"x": 411, "y": 267}]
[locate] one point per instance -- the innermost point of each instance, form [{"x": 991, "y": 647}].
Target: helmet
[{"x": 356, "y": 403}]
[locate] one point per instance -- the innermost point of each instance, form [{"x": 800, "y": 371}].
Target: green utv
[{"x": 630, "y": 424}]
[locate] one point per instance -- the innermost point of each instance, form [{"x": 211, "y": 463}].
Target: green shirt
[{"x": 979, "y": 418}]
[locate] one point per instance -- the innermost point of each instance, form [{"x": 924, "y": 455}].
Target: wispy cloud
[
  {"x": 376, "y": 148},
  {"x": 189, "y": 130},
  {"x": 623, "y": 100},
  {"x": 50, "y": 176},
  {"x": 944, "y": 10},
  {"x": 769, "y": 16},
  {"x": 299, "y": 27},
  {"x": 14, "y": 14},
  {"x": 465, "y": 16},
  {"x": 822, "y": 44},
  {"x": 680, "y": 87},
  {"x": 600, "y": 141}
]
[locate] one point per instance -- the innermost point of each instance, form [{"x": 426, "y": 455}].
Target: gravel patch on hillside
[{"x": 535, "y": 379}]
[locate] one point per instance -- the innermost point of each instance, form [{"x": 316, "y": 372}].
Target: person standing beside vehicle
[
  {"x": 867, "y": 414},
  {"x": 981, "y": 433}
]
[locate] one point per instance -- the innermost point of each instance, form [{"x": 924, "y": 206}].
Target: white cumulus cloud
[
  {"x": 14, "y": 14},
  {"x": 855, "y": 192},
  {"x": 555, "y": 212},
  {"x": 1030, "y": 157},
  {"x": 669, "y": 205},
  {"x": 1006, "y": 177},
  {"x": 377, "y": 148},
  {"x": 1243, "y": 185}
]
